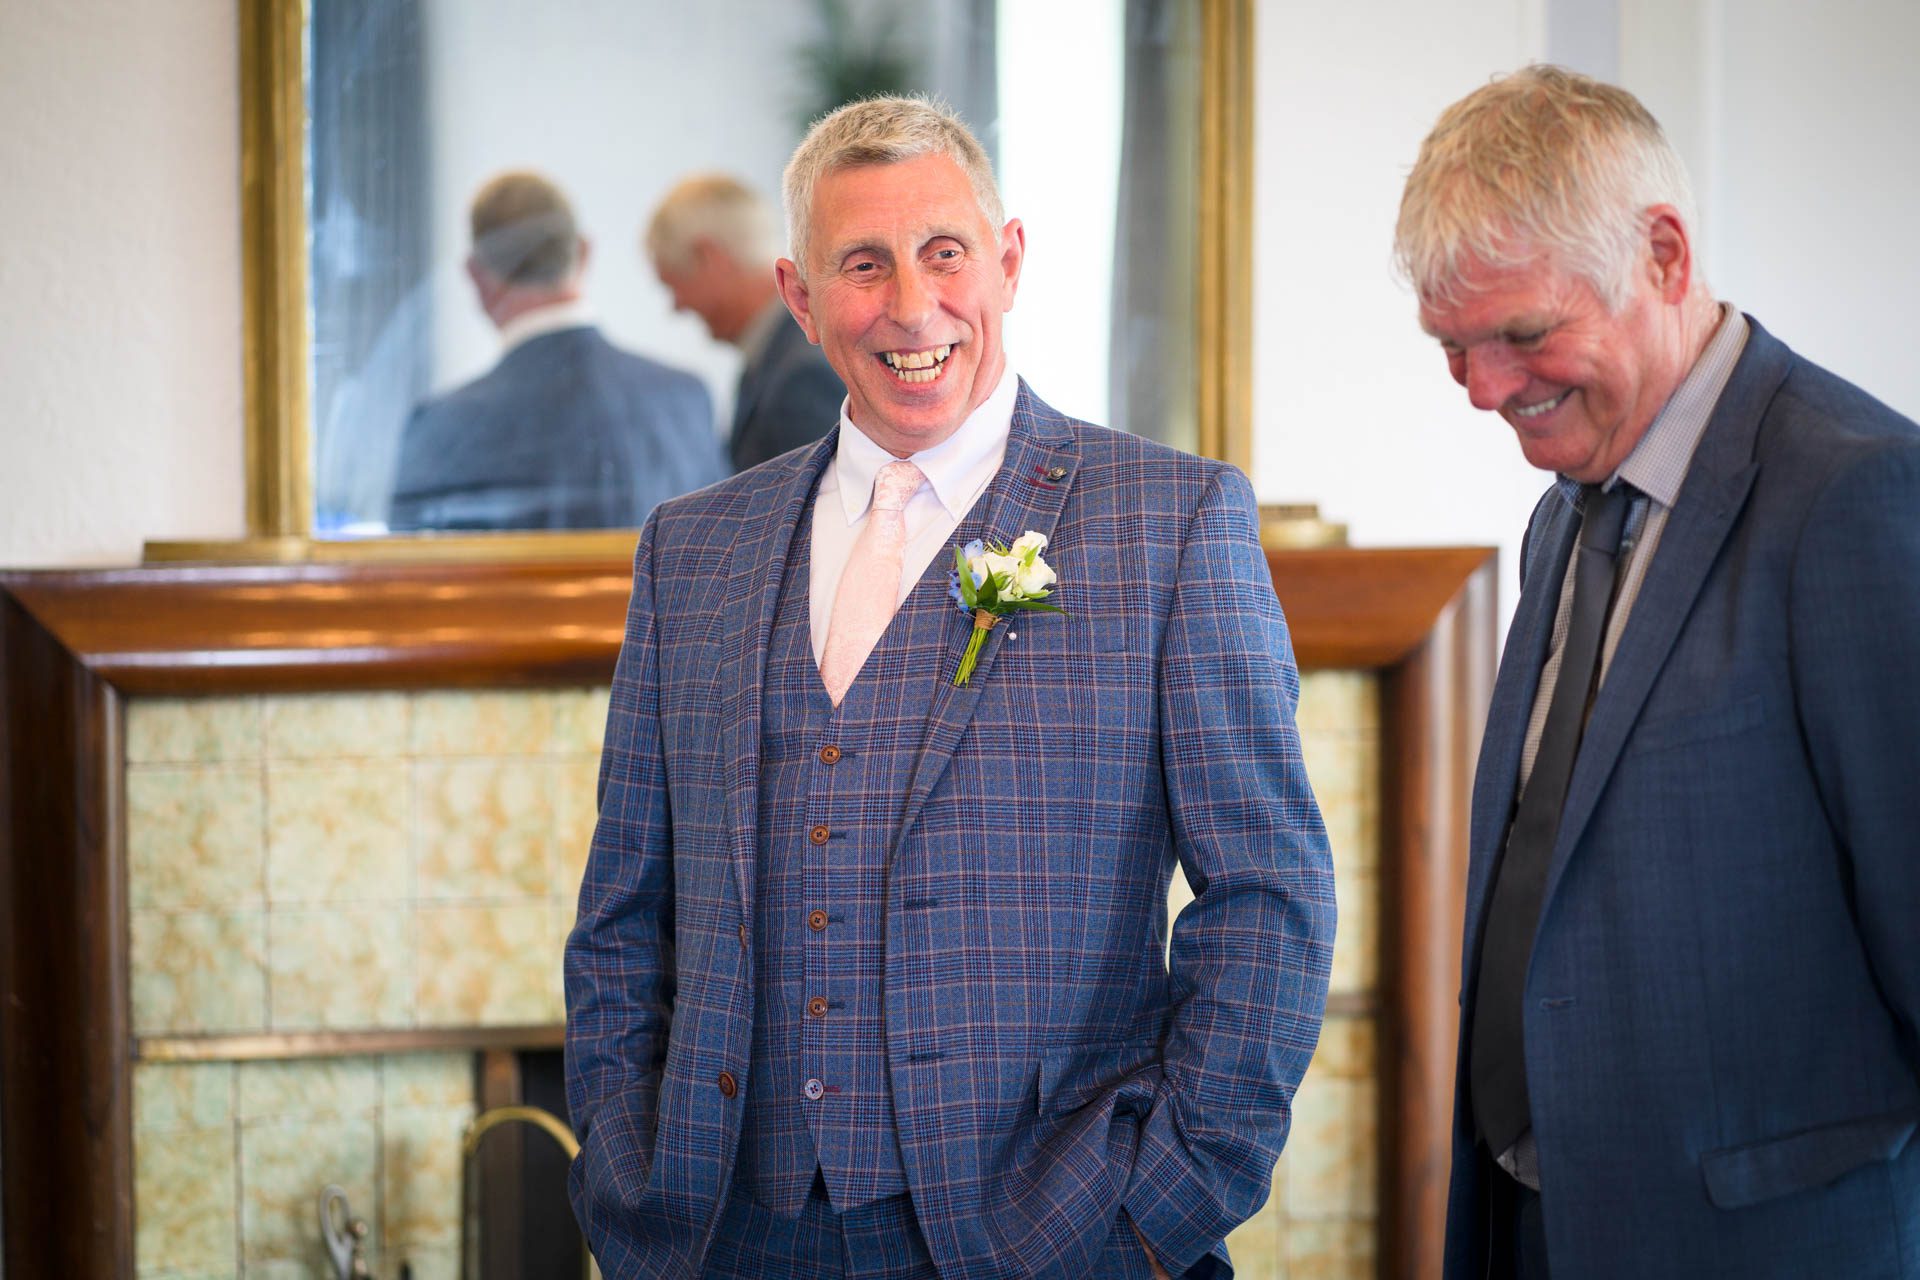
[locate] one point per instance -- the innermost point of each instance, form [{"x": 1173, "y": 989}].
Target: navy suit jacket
[
  {"x": 566, "y": 432},
  {"x": 790, "y": 396},
  {"x": 1721, "y": 1005},
  {"x": 1047, "y": 1069}
]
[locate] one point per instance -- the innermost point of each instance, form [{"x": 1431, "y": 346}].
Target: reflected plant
[{"x": 853, "y": 59}]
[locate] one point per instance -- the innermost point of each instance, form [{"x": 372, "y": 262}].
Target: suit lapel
[
  {"x": 757, "y": 569},
  {"x": 752, "y": 378},
  {"x": 1025, "y": 495},
  {"x": 1718, "y": 481}
]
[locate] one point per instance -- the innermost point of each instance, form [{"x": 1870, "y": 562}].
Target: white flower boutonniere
[{"x": 990, "y": 581}]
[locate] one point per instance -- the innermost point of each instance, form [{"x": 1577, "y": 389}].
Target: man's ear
[
  {"x": 793, "y": 292},
  {"x": 483, "y": 284},
  {"x": 1670, "y": 258},
  {"x": 1013, "y": 255}
]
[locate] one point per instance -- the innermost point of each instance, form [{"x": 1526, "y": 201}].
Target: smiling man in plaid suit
[{"x": 870, "y": 976}]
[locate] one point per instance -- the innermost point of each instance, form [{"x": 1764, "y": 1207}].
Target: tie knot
[
  {"x": 895, "y": 483},
  {"x": 1603, "y": 514}
]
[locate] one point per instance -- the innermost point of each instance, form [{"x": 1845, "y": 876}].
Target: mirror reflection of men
[
  {"x": 1692, "y": 967},
  {"x": 713, "y": 242},
  {"x": 870, "y": 973},
  {"x": 567, "y": 431}
]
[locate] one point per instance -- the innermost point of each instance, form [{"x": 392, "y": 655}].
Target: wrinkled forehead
[
  {"x": 927, "y": 194},
  {"x": 1485, "y": 299}
]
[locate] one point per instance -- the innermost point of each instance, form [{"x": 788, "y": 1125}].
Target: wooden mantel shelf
[
  {"x": 75, "y": 644},
  {"x": 260, "y": 628}
]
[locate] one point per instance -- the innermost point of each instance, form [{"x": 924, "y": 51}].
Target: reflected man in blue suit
[
  {"x": 1692, "y": 952},
  {"x": 567, "y": 431},
  {"x": 713, "y": 242}
]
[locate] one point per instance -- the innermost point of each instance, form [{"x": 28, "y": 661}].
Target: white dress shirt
[
  {"x": 958, "y": 470},
  {"x": 540, "y": 321}
]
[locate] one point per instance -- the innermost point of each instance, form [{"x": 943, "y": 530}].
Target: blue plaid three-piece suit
[{"x": 989, "y": 867}]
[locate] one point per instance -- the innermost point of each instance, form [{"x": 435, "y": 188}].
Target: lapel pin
[{"x": 1056, "y": 473}]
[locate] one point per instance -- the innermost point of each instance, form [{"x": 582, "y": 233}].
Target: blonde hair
[
  {"x": 1544, "y": 159},
  {"x": 722, "y": 209},
  {"x": 883, "y": 131},
  {"x": 523, "y": 230}
]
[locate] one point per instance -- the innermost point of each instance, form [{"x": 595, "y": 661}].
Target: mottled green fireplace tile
[
  {"x": 182, "y": 1095},
  {"x": 421, "y": 1165},
  {"x": 486, "y": 965},
  {"x": 192, "y": 730},
  {"x": 580, "y": 719},
  {"x": 337, "y": 726},
  {"x": 489, "y": 723},
  {"x": 284, "y": 1164},
  {"x": 338, "y": 833},
  {"x": 194, "y": 837},
  {"x": 308, "y": 1088},
  {"x": 184, "y": 1197},
  {"x": 340, "y": 967},
  {"x": 1332, "y": 1163},
  {"x": 486, "y": 828},
  {"x": 426, "y": 1080},
  {"x": 198, "y": 971}
]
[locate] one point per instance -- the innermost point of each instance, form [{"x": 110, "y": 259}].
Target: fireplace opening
[{"x": 523, "y": 1221}]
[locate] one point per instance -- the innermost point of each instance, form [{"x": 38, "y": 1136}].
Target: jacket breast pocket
[
  {"x": 1077, "y": 1076},
  {"x": 1725, "y": 720},
  {"x": 1760, "y": 1171}
]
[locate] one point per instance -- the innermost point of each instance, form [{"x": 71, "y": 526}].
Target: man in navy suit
[
  {"x": 713, "y": 245},
  {"x": 1692, "y": 950},
  {"x": 870, "y": 976},
  {"x": 567, "y": 431}
]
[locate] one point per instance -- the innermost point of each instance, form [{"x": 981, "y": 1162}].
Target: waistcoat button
[
  {"x": 817, "y": 1006},
  {"x": 818, "y": 835},
  {"x": 816, "y": 920},
  {"x": 813, "y": 1089},
  {"x": 728, "y": 1087},
  {"x": 829, "y": 755}
]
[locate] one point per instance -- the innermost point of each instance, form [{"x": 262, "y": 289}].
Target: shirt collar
[
  {"x": 541, "y": 321},
  {"x": 1658, "y": 464},
  {"x": 957, "y": 468}
]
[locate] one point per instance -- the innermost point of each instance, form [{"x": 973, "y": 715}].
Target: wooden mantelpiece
[{"x": 74, "y": 645}]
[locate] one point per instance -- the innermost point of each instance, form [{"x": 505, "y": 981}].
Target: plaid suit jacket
[{"x": 1050, "y": 1064}]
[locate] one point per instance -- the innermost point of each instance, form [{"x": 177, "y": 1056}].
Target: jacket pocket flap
[
  {"x": 1742, "y": 1176},
  {"x": 1686, "y": 728},
  {"x": 1073, "y": 1077}
]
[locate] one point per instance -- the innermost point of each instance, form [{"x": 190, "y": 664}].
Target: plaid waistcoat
[{"x": 854, "y": 798}]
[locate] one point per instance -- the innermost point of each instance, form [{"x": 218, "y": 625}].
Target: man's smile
[
  {"x": 1541, "y": 409},
  {"x": 917, "y": 366}
]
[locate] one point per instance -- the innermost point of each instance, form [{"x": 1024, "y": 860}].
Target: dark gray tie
[{"x": 1497, "y": 1057}]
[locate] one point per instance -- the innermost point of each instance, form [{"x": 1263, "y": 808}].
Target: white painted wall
[
  {"x": 120, "y": 377},
  {"x": 1353, "y": 407},
  {"x": 1816, "y": 185}
]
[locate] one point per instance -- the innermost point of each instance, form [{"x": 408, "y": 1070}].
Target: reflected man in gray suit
[
  {"x": 567, "y": 431},
  {"x": 713, "y": 242}
]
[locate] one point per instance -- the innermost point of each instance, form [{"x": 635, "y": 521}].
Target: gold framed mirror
[{"x": 1215, "y": 116}]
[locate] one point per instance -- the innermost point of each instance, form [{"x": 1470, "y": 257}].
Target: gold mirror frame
[{"x": 279, "y": 455}]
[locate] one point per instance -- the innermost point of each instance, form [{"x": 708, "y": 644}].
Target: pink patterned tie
[{"x": 870, "y": 584}]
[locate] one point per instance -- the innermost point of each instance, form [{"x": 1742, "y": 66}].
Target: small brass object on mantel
[{"x": 1291, "y": 526}]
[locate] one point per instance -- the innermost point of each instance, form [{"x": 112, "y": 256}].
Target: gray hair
[
  {"x": 722, "y": 209},
  {"x": 523, "y": 230},
  {"x": 1542, "y": 159},
  {"x": 883, "y": 131}
]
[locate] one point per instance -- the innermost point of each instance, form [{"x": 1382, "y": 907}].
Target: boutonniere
[{"x": 990, "y": 581}]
